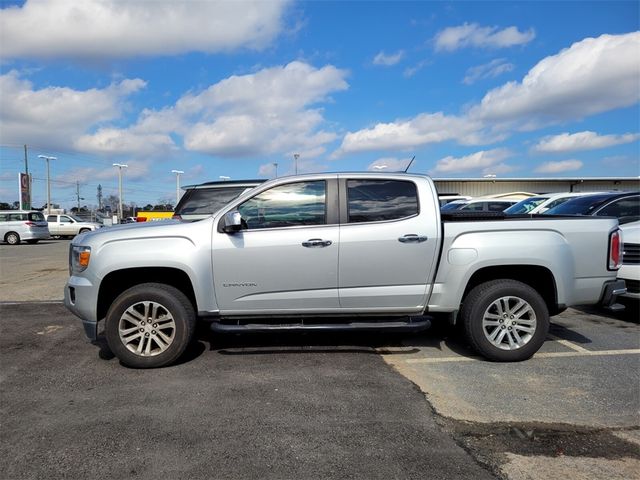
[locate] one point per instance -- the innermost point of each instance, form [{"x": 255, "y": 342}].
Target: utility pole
[
  {"x": 120, "y": 167},
  {"x": 47, "y": 158},
  {"x": 296, "y": 156},
  {"x": 276, "y": 167},
  {"x": 26, "y": 171},
  {"x": 78, "y": 197},
  {"x": 99, "y": 197},
  {"x": 178, "y": 173}
]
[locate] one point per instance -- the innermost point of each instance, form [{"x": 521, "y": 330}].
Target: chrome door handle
[
  {"x": 413, "y": 238},
  {"x": 316, "y": 243}
]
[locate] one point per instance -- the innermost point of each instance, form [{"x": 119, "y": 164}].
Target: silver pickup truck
[{"x": 340, "y": 251}]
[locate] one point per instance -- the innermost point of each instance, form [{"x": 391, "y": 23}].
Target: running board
[{"x": 399, "y": 326}]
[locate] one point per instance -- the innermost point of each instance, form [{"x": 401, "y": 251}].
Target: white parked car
[
  {"x": 630, "y": 270},
  {"x": 542, "y": 203},
  {"x": 69, "y": 225},
  {"x": 22, "y": 225}
]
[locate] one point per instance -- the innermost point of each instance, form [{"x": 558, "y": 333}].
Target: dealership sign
[{"x": 24, "y": 181}]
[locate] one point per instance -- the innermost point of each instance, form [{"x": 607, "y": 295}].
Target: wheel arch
[
  {"x": 537, "y": 277},
  {"x": 116, "y": 282}
]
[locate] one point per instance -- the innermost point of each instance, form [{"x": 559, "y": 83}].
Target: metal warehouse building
[{"x": 477, "y": 187}]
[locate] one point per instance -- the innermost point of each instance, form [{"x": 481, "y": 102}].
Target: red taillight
[
  {"x": 615, "y": 250},
  {"x": 30, "y": 224}
]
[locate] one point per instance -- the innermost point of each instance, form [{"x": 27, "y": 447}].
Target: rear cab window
[
  {"x": 380, "y": 200},
  {"x": 207, "y": 200}
]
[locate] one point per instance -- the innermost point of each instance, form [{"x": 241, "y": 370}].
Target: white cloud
[
  {"x": 476, "y": 161},
  {"x": 120, "y": 142},
  {"x": 590, "y": 77},
  {"x": 271, "y": 111},
  {"x": 473, "y": 35},
  {"x": 489, "y": 70},
  {"x": 389, "y": 164},
  {"x": 406, "y": 134},
  {"x": 559, "y": 167},
  {"x": 572, "y": 142},
  {"x": 115, "y": 28},
  {"x": 387, "y": 60},
  {"x": 411, "y": 71},
  {"x": 52, "y": 116}
]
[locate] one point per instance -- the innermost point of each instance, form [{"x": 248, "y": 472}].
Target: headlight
[{"x": 79, "y": 258}]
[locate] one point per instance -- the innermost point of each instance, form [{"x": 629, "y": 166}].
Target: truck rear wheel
[
  {"x": 505, "y": 320},
  {"x": 150, "y": 325}
]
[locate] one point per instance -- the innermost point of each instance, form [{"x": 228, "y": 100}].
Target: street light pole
[
  {"x": 178, "y": 173},
  {"x": 120, "y": 167},
  {"x": 47, "y": 158},
  {"x": 276, "y": 167},
  {"x": 296, "y": 156}
]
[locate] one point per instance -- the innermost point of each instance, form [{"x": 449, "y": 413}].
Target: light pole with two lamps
[{"x": 47, "y": 158}]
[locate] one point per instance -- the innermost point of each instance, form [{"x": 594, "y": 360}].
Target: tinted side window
[
  {"x": 207, "y": 200},
  {"x": 288, "y": 205},
  {"x": 497, "y": 206},
  {"x": 17, "y": 216},
  {"x": 64, "y": 219},
  {"x": 36, "y": 217},
  {"x": 475, "y": 207},
  {"x": 3, "y": 217},
  {"x": 379, "y": 200},
  {"x": 625, "y": 207},
  {"x": 52, "y": 218}
]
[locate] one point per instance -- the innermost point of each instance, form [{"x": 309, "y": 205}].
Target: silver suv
[
  {"x": 19, "y": 225},
  {"x": 201, "y": 201}
]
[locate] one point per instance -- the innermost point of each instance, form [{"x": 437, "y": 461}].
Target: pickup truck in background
[
  {"x": 69, "y": 225},
  {"x": 342, "y": 251}
]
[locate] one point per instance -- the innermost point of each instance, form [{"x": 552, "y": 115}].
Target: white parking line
[
  {"x": 585, "y": 353},
  {"x": 567, "y": 344}
]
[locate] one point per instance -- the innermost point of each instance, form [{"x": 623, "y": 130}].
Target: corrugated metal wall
[{"x": 478, "y": 188}]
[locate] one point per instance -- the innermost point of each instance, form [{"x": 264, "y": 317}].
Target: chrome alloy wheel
[
  {"x": 146, "y": 328},
  {"x": 509, "y": 323}
]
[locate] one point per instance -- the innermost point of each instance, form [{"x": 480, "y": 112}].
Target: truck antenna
[{"x": 412, "y": 159}]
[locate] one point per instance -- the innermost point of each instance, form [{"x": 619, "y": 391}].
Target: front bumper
[
  {"x": 610, "y": 292},
  {"x": 80, "y": 297}
]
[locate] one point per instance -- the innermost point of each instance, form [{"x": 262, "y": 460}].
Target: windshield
[
  {"x": 578, "y": 206},
  {"x": 77, "y": 219},
  {"x": 452, "y": 206},
  {"x": 526, "y": 205}
]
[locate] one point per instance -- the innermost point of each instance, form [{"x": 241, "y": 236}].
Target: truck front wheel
[
  {"x": 505, "y": 320},
  {"x": 150, "y": 325}
]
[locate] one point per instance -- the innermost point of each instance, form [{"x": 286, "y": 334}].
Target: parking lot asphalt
[
  {"x": 33, "y": 272},
  {"x": 247, "y": 407},
  {"x": 586, "y": 374}
]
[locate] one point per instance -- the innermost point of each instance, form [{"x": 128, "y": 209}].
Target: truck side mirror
[{"x": 232, "y": 222}]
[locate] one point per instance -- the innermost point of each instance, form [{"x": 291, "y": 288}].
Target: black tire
[
  {"x": 83, "y": 230},
  {"x": 129, "y": 314},
  {"x": 12, "y": 238},
  {"x": 489, "y": 302},
  {"x": 32, "y": 242}
]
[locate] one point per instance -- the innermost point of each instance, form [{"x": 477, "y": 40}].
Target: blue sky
[{"x": 515, "y": 89}]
